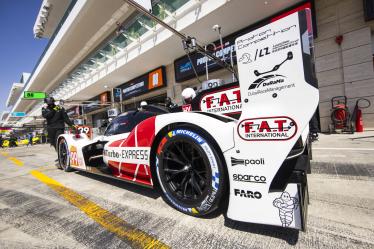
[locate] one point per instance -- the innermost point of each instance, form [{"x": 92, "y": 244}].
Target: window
[
  {"x": 121, "y": 124},
  {"x": 127, "y": 122}
]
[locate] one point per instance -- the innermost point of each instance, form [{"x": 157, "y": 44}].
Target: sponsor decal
[
  {"x": 276, "y": 67},
  {"x": 137, "y": 155},
  {"x": 246, "y": 162},
  {"x": 74, "y": 156},
  {"x": 286, "y": 206},
  {"x": 249, "y": 178},
  {"x": 284, "y": 45},
  {"x": 267, "y": 80},
  {"x": 191, "y": 134},
  {"x": 223, "y": 102},
  {"x": 267, "y": 129},
  {"x": 247, "y": 194},
  {"x": 262, "y": 36},
  {"x": 247, "y": 58},
  {"x": 187, "y": 108},
  {"x": 270, "y": 82}
]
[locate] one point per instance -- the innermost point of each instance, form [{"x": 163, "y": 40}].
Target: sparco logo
[
  {"x": 267, "y": 80},
  {"x": 247, "y": 194},
  {"x": 267, "y": 129},
  {"x": 246, "y": 162},
  {"x": 249, "y": 178}
]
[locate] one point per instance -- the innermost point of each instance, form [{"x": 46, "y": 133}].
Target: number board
[
  {"x": 86, "y": 130},
  {"x": 34, "y": 95}
]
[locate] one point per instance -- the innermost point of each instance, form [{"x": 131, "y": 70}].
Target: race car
[{"x": 256, "y": 164}]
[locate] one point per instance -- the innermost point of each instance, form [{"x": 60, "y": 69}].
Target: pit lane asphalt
[{"x": 34, "y": 215}]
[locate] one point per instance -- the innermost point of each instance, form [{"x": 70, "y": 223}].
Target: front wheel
[
  {"x": 190, "y": 172},
  {"x": 63, "y": 155}
]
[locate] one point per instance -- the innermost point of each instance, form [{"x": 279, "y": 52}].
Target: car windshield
[
  {"x": 121, "y": 124},
  {"x": 127, "y": 122}
]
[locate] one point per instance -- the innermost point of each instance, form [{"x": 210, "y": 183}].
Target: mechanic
[{"x": 56, "y": 117}]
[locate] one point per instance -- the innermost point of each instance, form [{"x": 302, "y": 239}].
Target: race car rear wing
[{"x": 279, "y": 95}]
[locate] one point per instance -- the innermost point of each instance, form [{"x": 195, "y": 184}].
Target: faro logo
[
  {"x": 222, "y": 102},
  {"x": 247, "y": 193},
  {"x": 267, "y": 129}
]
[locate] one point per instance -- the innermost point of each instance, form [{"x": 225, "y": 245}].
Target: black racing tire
[
  {"x": 63, "y": 155},
  {"x": 190, "y": 172}
]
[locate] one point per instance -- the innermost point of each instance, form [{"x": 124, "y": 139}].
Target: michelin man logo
[{"x": 286, "y": 205}]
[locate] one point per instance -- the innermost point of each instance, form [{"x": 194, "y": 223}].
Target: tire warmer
[{"x": 279, "y": 96}]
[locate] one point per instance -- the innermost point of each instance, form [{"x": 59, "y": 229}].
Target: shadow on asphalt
[
  {"x": 291, "y": 236},
  {"x": 148, "y": 192}
]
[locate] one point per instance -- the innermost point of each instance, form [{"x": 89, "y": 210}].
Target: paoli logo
[
  {"x": 247, "y": 194},
  {"x": 249, "y": 178},
  {"x": 267, "y": 128},
  {"x": 246, "y": 162},
  {"x": 223, "y": 102}
]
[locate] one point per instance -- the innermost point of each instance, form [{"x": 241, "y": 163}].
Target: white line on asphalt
[{"x": 325, "y": 148}]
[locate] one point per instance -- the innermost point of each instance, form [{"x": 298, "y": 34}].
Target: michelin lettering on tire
[{"x": 207, "y": 203}]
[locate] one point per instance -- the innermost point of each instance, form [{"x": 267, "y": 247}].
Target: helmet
[
  {"x": 188, "y": 95},
  {"x": 49, "y": 100}
]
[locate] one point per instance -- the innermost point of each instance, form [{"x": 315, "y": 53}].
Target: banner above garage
[
  {"x": 183, "y": 66},
  {"x": 147, "y": 82}
]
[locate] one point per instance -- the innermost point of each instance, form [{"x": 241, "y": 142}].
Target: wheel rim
[
  {"x": 186, "y": 171},
  {"x": 63, "y": 154}
]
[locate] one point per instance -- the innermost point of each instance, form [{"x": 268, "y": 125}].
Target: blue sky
[{"x": 19, "y": 50}]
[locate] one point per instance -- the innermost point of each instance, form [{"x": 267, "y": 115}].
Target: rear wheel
[
  {"x": 190, "y": 172},
  {"x": 63, "y": 155}
]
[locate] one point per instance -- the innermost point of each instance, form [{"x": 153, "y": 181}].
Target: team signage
[
  {"x": 97, "y": 102},
  {"x": 17, "y": 114},
  {"x": 113, "y": 112},
  {"x": 222, "y": 102},
  {"x": 34, "y": 95},
  {"x": 5, "y": 130},
  {"x": 117, "y": 95},
  {"x": 183, "y": 66},
  {"x": 74, "y": 111},
  {"x": 267, "y": 129},
  {"x": 144, "y": 83}
]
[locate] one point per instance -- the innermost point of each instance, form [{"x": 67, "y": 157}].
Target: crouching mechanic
[{"x": 56, "y": 117}]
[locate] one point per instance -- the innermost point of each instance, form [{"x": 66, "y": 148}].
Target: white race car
[{"x": 256, "y": 165}]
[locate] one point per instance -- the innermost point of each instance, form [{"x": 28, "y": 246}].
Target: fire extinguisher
[{"x": 361, "y": 103}]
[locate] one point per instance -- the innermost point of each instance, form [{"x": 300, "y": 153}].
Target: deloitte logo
[{"x": 246, "y": 162}]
